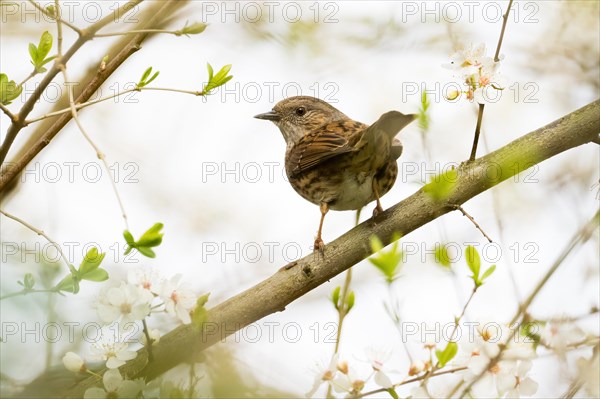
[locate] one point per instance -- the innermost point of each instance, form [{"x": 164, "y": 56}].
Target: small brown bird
[{"x": 333, "y": 161}]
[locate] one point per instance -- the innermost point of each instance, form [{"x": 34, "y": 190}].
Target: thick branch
[{"x": 275, "y": 293}]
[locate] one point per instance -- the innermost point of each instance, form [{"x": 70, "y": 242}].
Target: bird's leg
[
  {"x": 319, "y": 244},
  {"x": 378, "y": 209}
]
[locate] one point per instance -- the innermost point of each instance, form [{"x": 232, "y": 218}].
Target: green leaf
[
  {"x": 147, "y": 252},
  {"x": 350, "y": 301},
  {"x": 152, "y": 237},
  {"x": 441, "y": 256},
  {"x": 8, "y": 90},
  {"x": 96, "y": 275},
  {"x": 392, "y": 393},
  {"x": 128, "y": 237},
  {"x": 335, "y": 297},
  {"x": 210, "y": 72},
  {"x": 33, "y": 53},
  {"x": 200, "y": 314},
  {"x": 388, "y": 262},
  {"x": 423, "y": 116},
  {"x": 153, "y": 77},
  {"x": 447, "y": 354},
  {"x": 28, "y": 281},
  {"x": 91, "y": 261},
  {"x": 68, "y": 284},
  {"x": 145, "y": 75},
  {"x": 193, "y": 29},
  {"x": 217, "y": 80},
  {"x": 45, "y": 46},
  {"x": 488, "y": 273},
  {"x": 442, "y": 186},
  {"x": 473, "y": 261}
]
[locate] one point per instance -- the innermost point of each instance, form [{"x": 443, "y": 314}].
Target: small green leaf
[
  {"x": 350, "y": 301},
  {"x": 488, "y": 273},
  {"x": 193, "y": 29},
  {"x": 335, "y": 297},
  {"x": 423, "y": 117},
  {"x": 96, "y": 275},
  {"x": 153, "y": 77},
  {"x": 68, "y": 284},
  {"x": 91, "y": 261},
  {"x": 473, "y": 261},
  {"x": 28, "y": 281},
  {"x": 387, "y": 262},
  {"x": 147, "y": 252},
  {"x": 200, "y": 314},
  {"x": 210, "y": 72},
  {"x": 442, "y": 257},
  {"x": 8, "y": 89},
  {"x": 33, "y": 53},
  {"x": 128, "y": 237},
  {"x": 45, "y": 46},
  {"x": 442, "y": 186},
  {"x": 447, "y": 354},
  {"x": 152, "y": 237},
  {"x": 376, "y": 244}
]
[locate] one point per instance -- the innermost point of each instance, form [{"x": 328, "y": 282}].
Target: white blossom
[
  {"x": 114, "y": 387},
  {"x": 125, "y": 303},
  {"x": 324, "y": 374},
  {"x": 114, "y": 353},
  {"x": 148, "y": 279},
  {"x": 73, "y": 362},
  {"x": 179, "y": 299}
]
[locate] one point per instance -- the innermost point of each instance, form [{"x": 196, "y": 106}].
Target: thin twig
[
  {"x": 149, "y": 341},
  {"x": 461, "y": 209},
  {"x": 435, "y": 367},
  {"x": 342, "y": 313},
  {"x": 482, "y": 106},
  {"x": 40, "y": 233},
  {"x": 415, "y": 379},
  {"x": 31, "y": 75},
  {"x": 57, "y": 17},
  {"x": 477, "y": 133},
  {"x": 135, "y": 31},
  {"x": 13, "y": 117},
  {"x": 99, "y": 153},
  {"x": 88, "y": 103},
  {"x": 501, "y": 38}
]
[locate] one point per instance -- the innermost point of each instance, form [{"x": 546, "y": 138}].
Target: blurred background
[{"x": 214, "y": 176}]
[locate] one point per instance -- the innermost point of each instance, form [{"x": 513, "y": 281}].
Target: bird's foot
[
  {"x": 377, "y": 211},
  {"x": 319, "y": 248}
]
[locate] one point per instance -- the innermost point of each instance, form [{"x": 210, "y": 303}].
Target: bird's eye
[{"x": 300, "y": 111}]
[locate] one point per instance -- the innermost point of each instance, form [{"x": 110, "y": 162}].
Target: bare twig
[
  {"x": 482, "y": 106},
  {"x": 461, "y": 209},
  {"x": 40, "y": 233},
  {"x": 13, "y": 117},
  {"x": 411, "y": 380},
  {"x": 88, "y": 103},
  {"x": 57, "y": 17}
]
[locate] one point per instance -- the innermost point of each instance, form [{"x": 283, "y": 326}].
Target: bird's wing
[{"x": 322, "y": 144}]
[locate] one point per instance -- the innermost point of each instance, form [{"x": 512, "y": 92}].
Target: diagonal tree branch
[{"x": 275, "y": 293}]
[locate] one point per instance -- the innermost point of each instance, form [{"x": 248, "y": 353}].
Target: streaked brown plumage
[{"x": 333, "y": 161}]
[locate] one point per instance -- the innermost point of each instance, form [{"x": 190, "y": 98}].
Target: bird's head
[{"x": 300, "y": 115}]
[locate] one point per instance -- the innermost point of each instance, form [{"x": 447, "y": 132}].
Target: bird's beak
[{"x": 269, "y": 116}]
